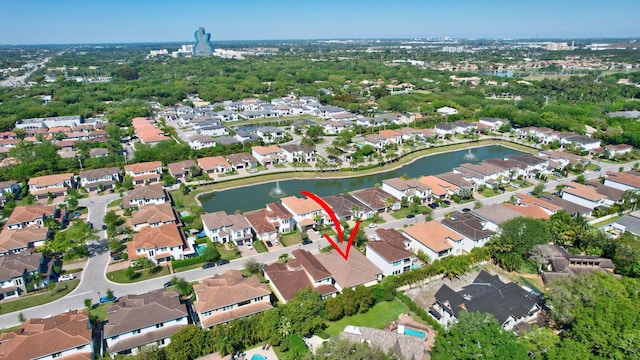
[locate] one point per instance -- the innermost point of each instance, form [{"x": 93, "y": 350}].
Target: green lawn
[
  {"x": 28, "y": 301},
  {"x": 489, "y": 192},
  {"x": 260, "y": 246},
  {"x": 234, "y": 253},
  {"x": 291, "y": 239},
  {"x": 377, "y": 317},
  {"x": 120, "y": 276},
  {"x": 99, "y": 311},
  {"x": 402, "y": 213},
  {"x": 606, "y": 222},
  {"x": 116, "y": 202}
]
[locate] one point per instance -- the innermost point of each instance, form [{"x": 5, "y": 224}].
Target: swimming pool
[
  {"x": 258, "y": 357},
  {"x": 408, "y": 331},
  {"x": 201, "y": 248}
]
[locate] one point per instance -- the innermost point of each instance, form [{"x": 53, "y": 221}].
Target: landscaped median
[{"x": 25, "y": 302}]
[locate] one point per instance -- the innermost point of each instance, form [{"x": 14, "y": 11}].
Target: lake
[{"x": 254, "y": 197}]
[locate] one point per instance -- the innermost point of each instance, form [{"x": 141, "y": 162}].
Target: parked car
[
  {"x": 306, "y": 242},
  {"x": 117, "y": 256},
  {"x": 168, "y": 283},
  {"x": 222, "y": 262},
  {"x": 466, "y": 210},
  {"x": 67, "y": 277},
  {"x": 104, "y": 227},
  {"x": 410, "y": 216},
  {"x": 277, "y": 242},
  {"x": 446, "y": 202},
  {"x": 106, "y": 299},
  {"x": 372, "y": 225},
  {"x": 433, "y": 205},
  {"x": 90, "y": 225},
  {"x": 269, "y": 244},
  {"x": 249, "y": 246},
  {"x": 208, "y": 265}
]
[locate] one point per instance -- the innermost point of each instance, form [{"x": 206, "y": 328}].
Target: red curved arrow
[{"x": 334, "y": 218}]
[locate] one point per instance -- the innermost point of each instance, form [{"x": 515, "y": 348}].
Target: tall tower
[{"x": 203, "y": 46}]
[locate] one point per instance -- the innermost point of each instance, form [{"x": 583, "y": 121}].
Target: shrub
[{"x": 186, "y": 262}]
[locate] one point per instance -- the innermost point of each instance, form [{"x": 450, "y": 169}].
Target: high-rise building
[{"x": 203, "y": 46}]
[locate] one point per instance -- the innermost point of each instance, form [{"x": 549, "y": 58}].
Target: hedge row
[
  {"x": 424, "y": 315},
  {"x": 186, "y": 262}
]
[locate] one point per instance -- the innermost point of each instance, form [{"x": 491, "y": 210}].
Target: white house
[
  {"x": 221, "y": 227},
  {"x": 158, "y": 244},
  {"x": 391, "y": 253},
  {"x": 145, "y": 195},
  {"x": 434, "y": 239},
  {"x": 582, "y": 195}
]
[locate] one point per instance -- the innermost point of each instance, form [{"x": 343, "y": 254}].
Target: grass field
[
  {"x": 120, "y": 276},
  {"x": 26, "y": 302},
  {"x": 234, "y": 253},
  {"x": 377, "y": 317}
]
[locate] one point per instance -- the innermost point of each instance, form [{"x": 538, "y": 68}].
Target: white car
[
  {"x": 66, "y": 277},
  {"x": 372, "y": 225},
  {"x": 249, "y": 246}
]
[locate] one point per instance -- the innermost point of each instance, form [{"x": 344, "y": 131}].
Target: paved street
[{"x": 94, "y": 284}]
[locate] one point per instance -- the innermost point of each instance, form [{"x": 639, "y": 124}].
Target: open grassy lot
[{"x": 377, "y": 317}]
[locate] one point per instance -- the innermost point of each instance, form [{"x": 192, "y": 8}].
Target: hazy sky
[{"x": 114, "y": 21}]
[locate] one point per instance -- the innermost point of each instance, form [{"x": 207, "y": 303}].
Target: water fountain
[
  {"x": 277, "y": 191},
  {"x": 469, "y": 156}
]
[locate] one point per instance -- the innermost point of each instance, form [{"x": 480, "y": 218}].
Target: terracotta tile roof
[
  {"x": 267, "y": 150},
  {"x": 438, "y": 187},
  {"x": 241, "y": 158},
  {"x": 133, "y": 312},
  {"x": 213, "y": 162},
  {"x": 260, "y": 223},
  {"x": 279, "y": 210},
  {"x": 583, "y": 191},
  {"x": 290, "y": 278},
  {"x": 21, "y": 238},
  {"x": 181, "y": 167},
  {"x": 33, "y": 339},
  {"x": 374, "y": 197},
  {"x": 391, "y": 247},
  {"x": 236, "y": 313},
  {"x": 50, "y": 180},
  {"x": 23, "y": 214},
  {"x": 155, "y": 237},
  {"x": 220, "y": 219},
  {"x": 146, "y": 338},
  {"x": 301, "y": 205},
  {"x": 357, "y": 270},
  {"x": 629, "y": 178},
  {"x": 433, "y": 235},
  {"x": 455, "y": 179},
  {"x": 99, "y": 173},
  {"x": 228, "y": 288},
  {"x": 143, "y": 167},
  {"x": 526, "y": 199},
  {"x": 311, "y": 265},
  {"x": 153, "y": 214},
  {"x": 529, "y": 211}
]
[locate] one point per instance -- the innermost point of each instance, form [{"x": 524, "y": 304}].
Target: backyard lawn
[
  {"x": 234, "y": 253},
  {"x": 377, "y": 317}
]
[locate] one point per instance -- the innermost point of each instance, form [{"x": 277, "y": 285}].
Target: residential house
[
  {"x": 145, "y": 195},
  {"x": 475, "y": 231},
  {"x": 464, "y": 127},
  {"x": 139, "y": 321},
  {"x": 433, "y": 239},
  {"x": 404, "y": 346},
  {"x": 153, "y": 216},
  {"x": 8, "y": 190},
  {"x": 627, "y": 223},
  {"x": 221, "y": 227},
  {"x": 357, "y": 270},
  {"x": 529, "y": 200},
  {"x": 377, "y": 199},
  {"x": 583, "y": 195},
  {"x": 407, "y": 189},
  {"x": 585, "y": 143},
  {"x": 558, "y": 263},
  {"x": 17, "y": 269},
  {"x": 456, "y": 179},
  {"x": 346, "y": 207},
  {"x": 507, "y": 302},
  {"x": 493, "y": 123},
  {"x": 446, "y": 110},
  {"x": 390, "y": 252},
  {"x": 268, "y": 155},
  {"x": 483, "y": 173},
  {"x": 306, "y": 212},
  {"x": 494, "y": 215},
  {"x": 215, "y": 165},
  {"x": 269, "y": 222},
  {"x": 213, "y": 130},
  {"x": 179, "y": 170},
  {"x": 103, "y": 178},
  {"x": 56, "y": 185},
  {"x": 158, "y": 244},
  {"x": 375, "y": 140},
  {"x": 613, "y": 151},
  {"x": 298, "y": 153},
  {"x": 229, "y": 296},
  {"x": 198, "y": 142},
  {"x": 270, "y": 134},
  {"x": 15, "y": 241},
  {"x": 149, "y": 172},
  {"x": 242, "y": 160},
  {"x": 440, "y": 189},
  {"x": 65, "y": 336},
  {"x": 570, "y": 207},
  {"x": 443, "y": 129},
  {"x": 624, "y": 181},
  {"x": 30, "y": 216},
  {"x": 98, "y": 152}
]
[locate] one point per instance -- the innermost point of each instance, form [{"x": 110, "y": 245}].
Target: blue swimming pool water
[
  {"x": 412, "y": 332},
  {"x": 201, "y": 248},
  {"x": 258, "y": 357}
]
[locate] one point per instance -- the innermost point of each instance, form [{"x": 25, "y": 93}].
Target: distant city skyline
[{"x": 117, "y": 21}]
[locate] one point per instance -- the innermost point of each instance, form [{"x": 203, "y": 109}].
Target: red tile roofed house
[
  {"x": 261, "y": 225},
  {"x": 147, "y": 131},
  {"x": 57, "y": 185},
  {"x": 214, "y": 165},
  {"x": 434, "y": 239},
  {"x": 229, "y": 296},
  {"x": 144, "y": 172},
  {"x": 377, "y": 199},
  {"x": 583, "y": 195},
  {"x": 67, "y": 335},
  {"x": 391, "y": 253},
  {"x": 159, "y": 244},
  {"x": 612, "y": 151},
  {"x": 138, "y": 321},
  {"x": 15, "y": 241},
  {"x": 356, "y": 271},
  {"x": 287, "y": 279},
  {"x": 482, "y": 173},
  {"x": 528, "y": 200},
  {"x": 623, "y": 180},
  {"x": 221, "y": 227},
  {"x": 92, "y": 179},
  {"x": 145, "y": 195},
  {"x": 391, "y": 136},
  {"x": 242, "y": 160},
  {"x": 439, "y": 188},
  {"x": 268, "y": 155},
  {"x": 30, "y": 215},
  {"x": 153, "y": 216},
  {"x": 529, "y": 211},
  {"x": 180, "y": 169},
  {"x": 305, "y": 211},
  {"x": 400, "y": 188}
]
